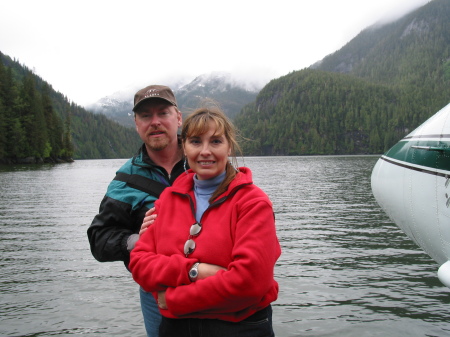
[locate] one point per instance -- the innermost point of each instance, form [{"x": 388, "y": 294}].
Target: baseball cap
[{"x": 154, "y": 91}]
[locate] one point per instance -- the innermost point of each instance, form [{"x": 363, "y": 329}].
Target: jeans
[
  {"x": 257, "y": 325},
  {"x": 150, "y": 311}
]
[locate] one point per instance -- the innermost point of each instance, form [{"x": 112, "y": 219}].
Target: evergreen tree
[
  {"x": 54, "y": 125},
  {"x": 67, "y": 151},
  {"x": 3, "y": 128},
  {"x": 3, "y": 135}
]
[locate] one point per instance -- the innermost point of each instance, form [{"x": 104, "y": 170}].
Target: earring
[
  {"x": 234, "y": 165},
  {"x": 184, "y": 165}
]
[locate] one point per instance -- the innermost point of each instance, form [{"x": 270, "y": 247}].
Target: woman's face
[{"x": 208, "y": 153}]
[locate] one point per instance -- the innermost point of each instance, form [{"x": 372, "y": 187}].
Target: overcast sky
[{"x": 88, "y": 49}]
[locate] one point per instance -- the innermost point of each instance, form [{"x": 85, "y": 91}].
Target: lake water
[{"x": 346, "y": 270}]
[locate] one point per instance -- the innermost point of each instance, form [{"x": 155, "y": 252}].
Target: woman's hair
[{"x": 197, "y": 123}]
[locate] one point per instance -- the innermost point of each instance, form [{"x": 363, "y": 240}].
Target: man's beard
[{"x": 157, "y": 144}]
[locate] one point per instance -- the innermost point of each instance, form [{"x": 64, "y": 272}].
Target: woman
[{"x": 211, "y": 252}]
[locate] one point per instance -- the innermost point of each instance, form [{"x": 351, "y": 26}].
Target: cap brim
[{"x": 149, "y": 98}]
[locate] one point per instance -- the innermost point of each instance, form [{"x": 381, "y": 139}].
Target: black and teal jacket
[{"x": 133, "y": 192}]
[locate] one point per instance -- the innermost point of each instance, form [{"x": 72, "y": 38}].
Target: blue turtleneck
[{"x": 203, "y": 190}]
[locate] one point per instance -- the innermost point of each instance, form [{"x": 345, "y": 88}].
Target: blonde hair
[{"x": 197, "y": 123}]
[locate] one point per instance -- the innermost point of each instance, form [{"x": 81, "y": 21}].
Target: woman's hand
[
  {"x": 206, "y": 270},
  {"x": 148, "y": 220}
]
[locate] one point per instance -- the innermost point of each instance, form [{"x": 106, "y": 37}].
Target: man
[{"x": 138, "y": 183}]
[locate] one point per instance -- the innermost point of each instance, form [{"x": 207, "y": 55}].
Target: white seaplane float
[{"x": 411, "y": 183}]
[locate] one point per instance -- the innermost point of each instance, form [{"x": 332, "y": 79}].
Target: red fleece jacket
[{"x": 238, "y": 233}]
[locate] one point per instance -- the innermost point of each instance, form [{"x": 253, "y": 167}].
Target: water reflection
[{"x": 346, "y": 270}]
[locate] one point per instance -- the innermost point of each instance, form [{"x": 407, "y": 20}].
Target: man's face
[{"x": 157, "y": 123}]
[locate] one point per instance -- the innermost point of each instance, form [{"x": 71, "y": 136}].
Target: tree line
[
  {"x": 361, "y": 99},
  {"x": 29, "y": 126},
  {"x": 312, "y": 112},
  {"x": 38, "y": 124}
]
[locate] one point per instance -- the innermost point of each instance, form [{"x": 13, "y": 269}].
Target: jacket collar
[
  {"x": 185, "y": 182},
  {"x": 142, "y": 159}
]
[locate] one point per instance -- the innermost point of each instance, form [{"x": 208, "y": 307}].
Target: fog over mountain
[{"x": 230, "y": 91}]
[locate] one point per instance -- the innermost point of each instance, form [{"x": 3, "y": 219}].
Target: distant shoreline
[{"x": 35, "y": 160}]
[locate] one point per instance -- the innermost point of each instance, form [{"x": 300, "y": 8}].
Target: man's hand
[
  {"x": 148, "y": 220},
  {"x": 162, "y": 300}
]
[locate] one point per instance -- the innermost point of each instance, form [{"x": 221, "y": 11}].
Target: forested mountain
[
  {"x": 229, "y": 93},
  {"x": 38, "y": 124},
  {"x": 29, "y": 126},
  {"x": 116, "y": 109},
  {"x": 361, "y": 99}
]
